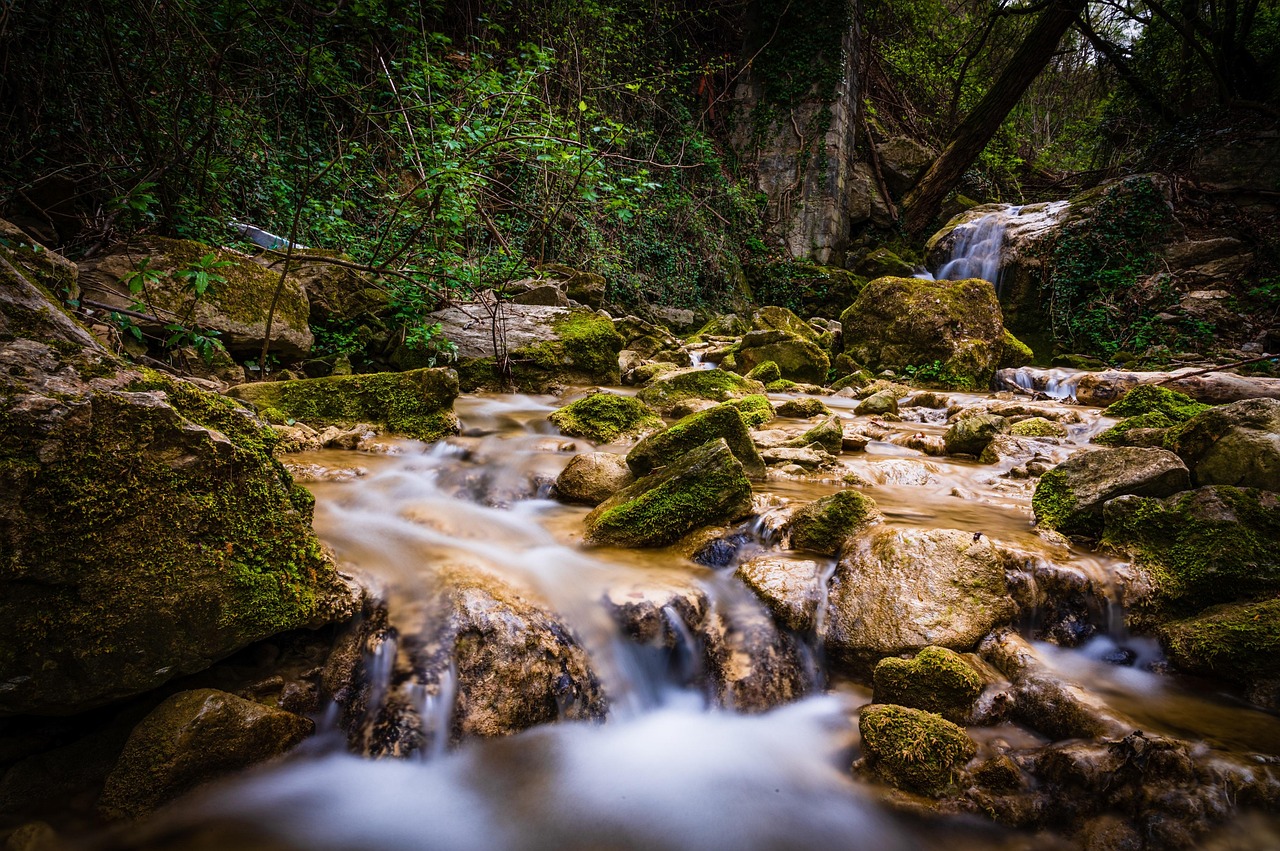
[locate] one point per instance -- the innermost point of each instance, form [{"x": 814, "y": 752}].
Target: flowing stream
[{"x": 668, "y": 769}]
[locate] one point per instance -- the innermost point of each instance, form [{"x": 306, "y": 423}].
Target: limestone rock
[
  {"x": 897, "y": 590},
  {"x": 417, "y": 404},
  {"x": 592, "y": 478},
  {"x": 191, "y": 738},
  {"x": 704, "y": 486},
  {"x": 790, "y": 586},
  {"x": 1070, "y": 497}
]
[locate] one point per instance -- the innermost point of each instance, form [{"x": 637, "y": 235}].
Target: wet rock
[
  {"x": 650, "y": 341},
  {"x": 606, "y": 417},
  {"x": 791, "y": 587},
  {"x": 927, "y": 399},
  {"x": 720, "y": 422},
  {"x": 1237, "y": 641},
  {"x": 828, "y": 434},
  {"x": 592, "y": 478},
  {"x": 235, "y": 307},
  {"x": 417, "y": 404},
  {"x": 1070, "y": 497},
  {"x": 900, "y": 322},
  {"x": 1014, "y": 353},
  {"x": 756, "y": 409},
  {"x": 704, "y": 486},
  {"x": 298, "y": 437},
  {"x": 359, "y": 436},
  {"x": 1213, "y": 388},
  {"x": 1206, "y": 546},
  {"x": 1236, "y": 444},
  {"x": 798, "y": 358},
  {"x": 765, "y": 373},
  {"x": 823, "y": 525},
  {"x": 586, "y": 288},
  {"x": 897, "y": 591},
  {"x": 113, "y": 485},
  {"x": 913, "y": 749},
  {"x": 809, "y": 459},
  {"x": 752, "y": 666},
  {"x": 1152, "y": 398},
  {"x": 970, "y": 435},
  {"x": 715, "y": 385},
  {"x": 936, "y": 680},
  {"x": 878, "y": 404},
  {"x": 644, "y": 609},
  {"x": 192, "y": 738},
  {"x": 904, "y": 472},
  {"x": 1006, "y": 447},
  {"x": 1037, "y": 427},
  {"x": 803, "y": 408},
  {"x": 852, "y": 439}
]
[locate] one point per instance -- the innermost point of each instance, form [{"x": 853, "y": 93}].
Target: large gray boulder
[
  {"x": 897, "y": 591},
  {"x": 1070, "y": 497}
]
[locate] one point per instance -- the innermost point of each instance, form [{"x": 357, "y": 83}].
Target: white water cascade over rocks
[{"x": 979, "y": 242}]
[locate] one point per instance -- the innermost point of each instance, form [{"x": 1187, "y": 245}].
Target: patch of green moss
[
  {"x": 209, "y": 410},
  {"x": 782, "y": 385},
  {"x": 417, "y": 404},
  {"x": 706, "y": 485},
  {"x": 1210, "y": 545},
  {"x": 722, "y": 421},
  {"x": 1238, "y": 642},
  {"x": 1115, "y": 436},
  {"x": 591, "y": 343},
  {"x": 1053, "y": 502},
  {"x": 913, "y": 749},
  {"x": 1037, "y": 427},
  {"x": 756, "y": 409},
  {"x": 766, "y": 372},
  {"x": 717, "y": 385},
  {"x": 824, "y": 525},
  {"x": 605, "y": 417},
  {"x": 859, "y": 379},
  {"x": 1152, "y": 398},
  {"x": 1014, "y": 353},
  {"x": 829, "y": 434},
  {"x": 936, "y": 680},
  {"x": 803, "y": 408}
]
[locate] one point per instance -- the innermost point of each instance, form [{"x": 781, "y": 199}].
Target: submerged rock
[
  {"x": 190, "y": 739},
  {"x": 706, "y": 485},
  {"x": 935, "y": 679},
  {"x": 417, "y": 404},
  {"x": 1070, "y": 497},
  {"x": 898, "y": 591},
  {"x": 721, "y": 422},
  {"x": 803, "y": 408},
  {"x": 605, "y": 417},
  {"x": 1236, "y": 444},
  {"x": 913, "y": 749},
  {"x": 145, "y": 529},
  {"x": 592, "y": 478},
  {"x": 900, "y": 322},
  {"x": 717, "y": 385}
]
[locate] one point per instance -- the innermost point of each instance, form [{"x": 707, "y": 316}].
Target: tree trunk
[{"x": 922, "y": 203}]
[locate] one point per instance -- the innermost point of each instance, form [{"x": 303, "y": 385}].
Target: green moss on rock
[
  {"x": 417, "y": 404},
  {"x": 935, "y": 680},
  {"x": 765, "y": 373},
  {"x": 605, "y": 417},
  {"x": 721, "y": 422},
  {"x": 706, "y": 485},
  {"x": 717, "y": 385},
  {"x": 1038, "y": 427},
  {"x": 1013, "y": 352},
  {"x": 756, "y": 409},
  {"x": 1239, "y": 642},
  {"x": 913, "y": 749},
  {"x": 1071, "y": 496},
  {"x": 823, "y": 525},
  {"x": 1116, "y": 435},
  {"x": 829, "y": 434},
  {"x": 1201, "y": 547},
  {"x": 803, "y": 408},
  {"x": 782, "y": 385},
  {"x": 1151, "y": 398}
]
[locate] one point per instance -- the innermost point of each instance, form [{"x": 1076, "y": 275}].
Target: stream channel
[{"x": 675, "y": 765}]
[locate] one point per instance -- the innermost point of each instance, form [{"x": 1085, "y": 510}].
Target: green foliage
[{"x": 937, "y": 374}]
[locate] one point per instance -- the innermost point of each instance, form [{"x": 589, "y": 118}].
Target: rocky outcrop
[
  {"x": 898, "y": 591},
  {"x": 1071, "y": 496},
  {"x": 235, "y": 304},
  {"x": 417, "y": 404},
  {"x": 705, "y": 485},
  {"x": 190, "y": 739},
  {"x": 145, "y": 529},
  {"x": 900, "y": 322}
]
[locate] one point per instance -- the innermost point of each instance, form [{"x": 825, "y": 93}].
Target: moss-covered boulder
[
  {"x": 235, "y": 306},
  {"x": 704, "y": 486},
  {"x": 606, "y": 417},
  {"x": 717, "y": 385},
  {"x": 417, "y": 404},
  {"x": 765, "y": 373},
  {"x": 803, "y": 408},
  {"x": 797, "y": 358},
  {"x": 970, "y": 435},
  {"x": 1210, "y": 545},
  {"x": 1037, "y": 427},
  {"x": 1149, "y": 429},
  {"x": 1237, "y": 641},
  {"x": 1013, "y": 352},
  {"x": 592, "y": 477},
  {"x": 1236, "y": 444},
  {"x": 721, "y": 422},
  {"x": 145, "y": 528},
  {"x": 825, "y": 524},
  {"x": 901, "y": 590},
  {"x": 878, "y": 404},
  {"x": 1150, "y": 398},
  {"x": 899, "y": 322},
  {"x": 545, "y": 346},
  {"x": 756, "y": 409},
  {"x": 190, "y": 739},
  {"x": 724, "y": 325},
  {"x": 829, "y": 434},
  {"x": 935, "y": 680},
  {"x": 913, "y": 749},
  {"x": 1070, "y": 497}
]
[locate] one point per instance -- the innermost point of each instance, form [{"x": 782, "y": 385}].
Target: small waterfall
[{"x": 977, "y": 248}]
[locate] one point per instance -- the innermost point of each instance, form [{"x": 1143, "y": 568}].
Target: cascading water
[{"x": 977, "y": 249}]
